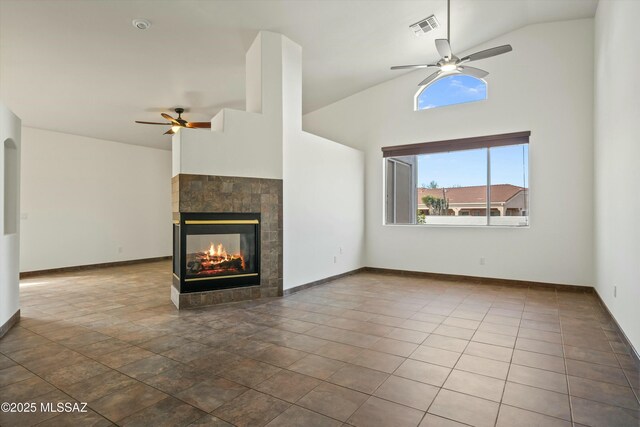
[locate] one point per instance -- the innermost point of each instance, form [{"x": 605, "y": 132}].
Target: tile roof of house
[{"x": 474, "y": 194}]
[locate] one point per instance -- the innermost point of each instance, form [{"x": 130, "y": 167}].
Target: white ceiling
[{"x": 80, "y": 67}]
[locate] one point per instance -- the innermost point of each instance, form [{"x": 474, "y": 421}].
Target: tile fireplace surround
[{"x": 221, "y": 194}]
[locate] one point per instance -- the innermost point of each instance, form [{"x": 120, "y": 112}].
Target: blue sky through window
[
  {"x": 454, "y": 89},
  {"x": 459, "y": 168},
  {"x": 509, "y": 165}
]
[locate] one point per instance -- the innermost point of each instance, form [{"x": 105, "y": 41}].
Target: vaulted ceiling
[{"x": 80, "y": 67}]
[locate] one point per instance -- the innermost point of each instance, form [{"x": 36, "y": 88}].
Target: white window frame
[{"x": 447, "y": 146}]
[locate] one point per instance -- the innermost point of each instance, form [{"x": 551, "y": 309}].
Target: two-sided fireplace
[{"x": 214, "y": 251}]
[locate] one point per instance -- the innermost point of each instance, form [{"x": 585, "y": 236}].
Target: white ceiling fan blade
[
  {"x": 431, "y": 78},
  {"x": 474, "y": 72},
  {"x": 443, "y": 47},
  {"x": 406, "y": 67},
  {"x": 488, "y": 53}
]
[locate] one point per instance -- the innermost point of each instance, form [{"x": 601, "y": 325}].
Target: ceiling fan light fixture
[
  {"x": 450, "y": 63},
  {"x": 177, "y": 124}
]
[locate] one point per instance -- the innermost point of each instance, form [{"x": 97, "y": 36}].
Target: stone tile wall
[{"x": 222, "y": 194}]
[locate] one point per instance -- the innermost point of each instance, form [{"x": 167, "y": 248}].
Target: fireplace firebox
[{"x": 214, "y": 251}]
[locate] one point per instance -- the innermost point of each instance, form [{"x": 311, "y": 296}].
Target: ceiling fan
[
  {"x": 178, "y": 123},
  {"x": 451, "y": 64}
]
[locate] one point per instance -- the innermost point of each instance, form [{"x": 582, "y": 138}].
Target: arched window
[{"x": 449, "y": 90}]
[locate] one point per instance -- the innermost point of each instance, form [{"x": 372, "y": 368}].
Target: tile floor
[{"x": 366, "y": 350}]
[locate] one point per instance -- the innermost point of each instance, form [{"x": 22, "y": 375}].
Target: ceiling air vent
[{"x": 425, "y": 25}]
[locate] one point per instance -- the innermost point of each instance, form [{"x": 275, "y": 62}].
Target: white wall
[
  {"x": 85, "y": 198},
  {"x": 242, "y": 143},
  {"x": 546, "y": 86},
  {"x": 323, "y": 192},
  {"x": 323, "y": 209},
  {"x": 10, "y": 235},
  {"x": 617, "y": 150}
]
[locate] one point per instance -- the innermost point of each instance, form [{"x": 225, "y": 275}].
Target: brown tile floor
[{"x": 366, "y": 350}]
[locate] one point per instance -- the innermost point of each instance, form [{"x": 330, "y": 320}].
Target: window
[
  {"x": 400, "y": 203},
  {"x": 473, "y": 181},
  {"x": 450, "y": 90}
]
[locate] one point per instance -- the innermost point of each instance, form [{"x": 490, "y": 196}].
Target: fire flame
[{"x": 220, "y": 252}]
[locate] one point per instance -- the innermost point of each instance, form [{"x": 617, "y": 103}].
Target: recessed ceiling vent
[
  {"x": 141, "y": 24},
  {"x": 424, "y": 26}
]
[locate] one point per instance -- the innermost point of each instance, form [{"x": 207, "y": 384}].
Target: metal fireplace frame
[{"x": 232, "y": 222}]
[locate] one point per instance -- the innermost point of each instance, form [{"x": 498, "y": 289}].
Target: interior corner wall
[
  {"x": 323, "y": 192},
  {"x": 323, "y": 209},
  {"x": 10, "y": 145},
  {"x": 90, "y": 201},
  {"x": 616, "y": 130},
  {"x": 554, "y": 102}
]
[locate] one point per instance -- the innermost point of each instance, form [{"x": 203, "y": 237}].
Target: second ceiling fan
[
  {"x": 178, "y": 123},
  {"x": 451, "y": 64}
]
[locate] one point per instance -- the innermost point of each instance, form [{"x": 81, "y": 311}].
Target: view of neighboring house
[{"x": 506, "y": 200}]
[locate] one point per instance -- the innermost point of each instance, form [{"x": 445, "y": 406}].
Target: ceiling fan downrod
[{"x": 449, "y": 21}]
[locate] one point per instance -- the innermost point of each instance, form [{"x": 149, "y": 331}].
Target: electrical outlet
[
  {"x": 482, "y": 261},
  {"x": 335, "y": 259},
  {"x": 615, "y": 291},
  {"x": 24, "y": 215},
  {"x": 340, "y": 250},
  {"x": 120, "y": 249}
]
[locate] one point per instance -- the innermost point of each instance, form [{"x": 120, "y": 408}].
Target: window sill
[{"x": 456, "y": 226}]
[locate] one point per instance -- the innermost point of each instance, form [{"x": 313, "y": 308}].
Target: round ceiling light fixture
[{"x": 141, "y": 24}]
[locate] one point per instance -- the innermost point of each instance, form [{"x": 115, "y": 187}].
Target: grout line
[
  {"x": 566, "y": 370},
  {"x": 453, "y": 367},
  {"x": 513, "y": 350}
]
